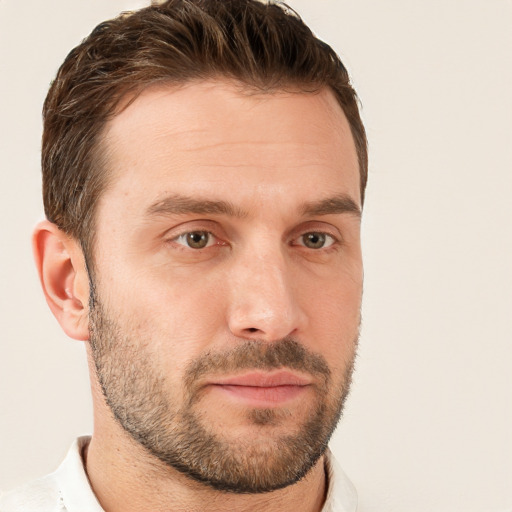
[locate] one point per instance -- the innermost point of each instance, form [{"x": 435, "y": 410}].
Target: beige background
[{"x": 429, "y": 424}]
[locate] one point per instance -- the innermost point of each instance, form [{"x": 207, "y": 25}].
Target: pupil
[
  {"x": 197, "y": 239},
  {"x": 314, "y": 240}
]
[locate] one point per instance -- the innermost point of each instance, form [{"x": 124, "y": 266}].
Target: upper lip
[{"x": 263, "y": 379}]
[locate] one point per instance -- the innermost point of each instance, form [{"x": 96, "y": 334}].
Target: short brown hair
[{"x": 262, "y": 45}]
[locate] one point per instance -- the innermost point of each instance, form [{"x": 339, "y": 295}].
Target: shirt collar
[
  {"x": 72, "y": 479},
  {"x": 341, "y": 493}
]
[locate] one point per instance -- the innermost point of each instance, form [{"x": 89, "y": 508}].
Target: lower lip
[{"x": 274, "y": 395}]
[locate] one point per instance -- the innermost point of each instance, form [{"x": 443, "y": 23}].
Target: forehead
[{"x": 212, "y": 136}]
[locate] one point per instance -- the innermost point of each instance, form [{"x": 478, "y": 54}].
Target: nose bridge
[{"x": 263, "y": 302}]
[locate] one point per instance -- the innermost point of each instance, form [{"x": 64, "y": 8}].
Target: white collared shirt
[{"x": 68, "y": 489}]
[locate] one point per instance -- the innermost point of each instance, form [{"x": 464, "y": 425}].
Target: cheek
[
  {"x": 178, "y": 313},
  {"x": 334, "y": 313},
  {"x": 336, "y": 296}
]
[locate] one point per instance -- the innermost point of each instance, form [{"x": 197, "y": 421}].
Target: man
[{"x": 204, "y": 167}]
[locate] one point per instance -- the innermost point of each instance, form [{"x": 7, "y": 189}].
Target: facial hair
[{"x": 175, "y": 431}]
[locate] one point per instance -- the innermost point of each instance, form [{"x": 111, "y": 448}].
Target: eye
[
  {"x": 195, "y": 239},
  {"x": 316, "y": 240}
]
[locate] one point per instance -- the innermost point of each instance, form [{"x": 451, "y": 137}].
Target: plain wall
[{"x": 428, "y": 426}]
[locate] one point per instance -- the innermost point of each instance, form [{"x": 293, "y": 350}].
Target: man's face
[{"x": 227, "y": 279}]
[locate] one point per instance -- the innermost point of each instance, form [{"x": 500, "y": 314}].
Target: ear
[{"x": 63, "y": 275}]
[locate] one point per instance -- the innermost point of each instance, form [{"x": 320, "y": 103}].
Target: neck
[{"x": 125, "y": 478}]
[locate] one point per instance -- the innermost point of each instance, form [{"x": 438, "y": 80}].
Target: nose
[{"x": 264, "y": 303}]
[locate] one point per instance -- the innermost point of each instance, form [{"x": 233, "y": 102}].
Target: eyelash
[
  {"x": 187, "y": 233},
  {"x": 327, "y": 236}
]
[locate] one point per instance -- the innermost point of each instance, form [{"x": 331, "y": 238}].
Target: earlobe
[{"x": 63, "y": 275}]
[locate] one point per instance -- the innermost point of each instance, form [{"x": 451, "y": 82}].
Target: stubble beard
[{"x": 180, "y": 437}]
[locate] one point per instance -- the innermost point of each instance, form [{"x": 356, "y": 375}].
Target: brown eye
[
  {"x": 195, "y": 239},
  {"x": 316, "y": 240},
  {"x": 198, "y": 239}
]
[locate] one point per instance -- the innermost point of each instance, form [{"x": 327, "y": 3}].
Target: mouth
[{"x": 262, "y": 389}]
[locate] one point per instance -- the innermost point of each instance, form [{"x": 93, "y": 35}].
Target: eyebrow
[
  {"x": 177, "y": 204},
  {"x": 338, "y": 204}
]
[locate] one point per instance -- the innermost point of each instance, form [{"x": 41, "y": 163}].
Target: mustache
[{"x": 258, "y": 355}]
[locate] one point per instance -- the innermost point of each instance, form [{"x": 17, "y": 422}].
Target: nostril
[{"x": 252, "y": 329}]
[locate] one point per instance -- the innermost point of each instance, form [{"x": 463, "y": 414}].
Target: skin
[{"x": 274, "y": 158}]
